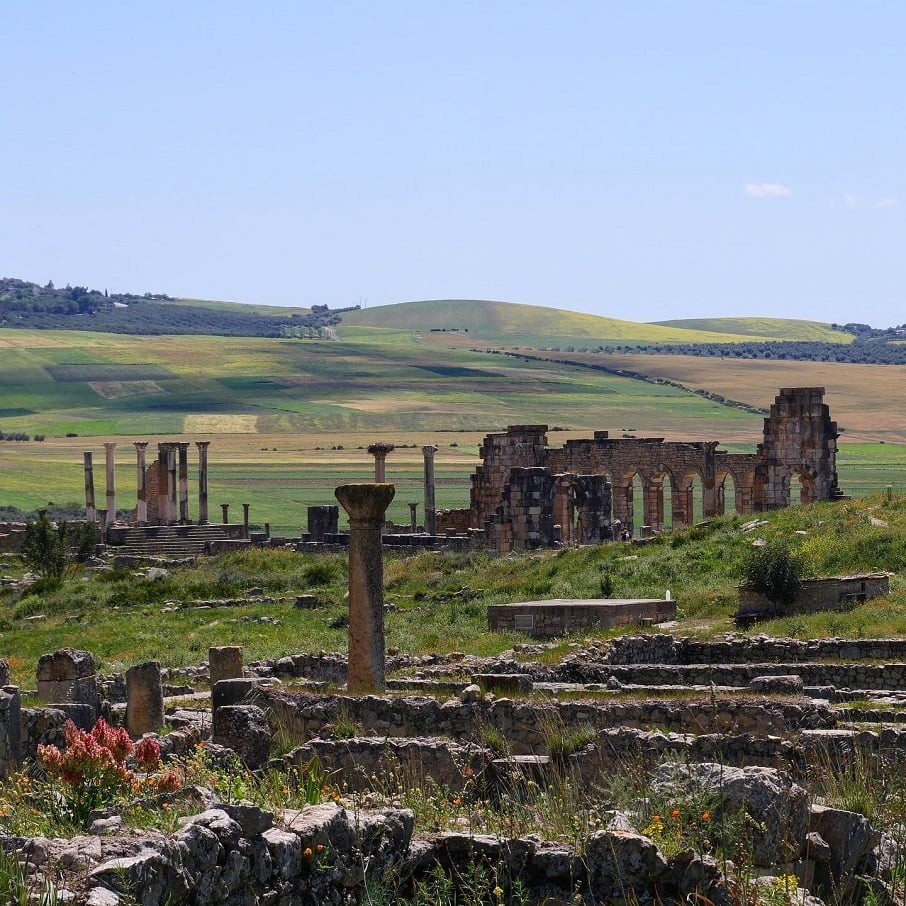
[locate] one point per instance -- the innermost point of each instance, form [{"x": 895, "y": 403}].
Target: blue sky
[{"x": 642, "y": 160}]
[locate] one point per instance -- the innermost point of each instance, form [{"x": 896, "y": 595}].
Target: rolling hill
[{"x": 516, "y": 323}]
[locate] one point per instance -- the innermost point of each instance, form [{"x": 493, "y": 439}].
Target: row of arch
[{"x": 648, "y": 503}]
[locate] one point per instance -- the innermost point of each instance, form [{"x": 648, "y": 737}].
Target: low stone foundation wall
[
  {"x": 890, "y": 677},
  {"x": 528, "y": 725},
  {"x": 658, "y": 648},
  {"x": 549, "y": 619}
]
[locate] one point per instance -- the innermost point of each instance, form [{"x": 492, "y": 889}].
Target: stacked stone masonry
[{"x": 527, "y": 494}]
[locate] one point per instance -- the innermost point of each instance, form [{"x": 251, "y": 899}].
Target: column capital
[
  {"x": 202, "y": 444},
  {"x": 109, "y": 445},
  {"x": 381, "y": 449},
  {"x": 140, "y": 444},
  {"x": 365, "y": 502},
  {"x": 429, "y": 450}
]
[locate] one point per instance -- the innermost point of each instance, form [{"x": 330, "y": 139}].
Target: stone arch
[
  {"x": 628, "y": 485},
  {"x": 807, "y": 479},
  {"x": 683, "y": 497},
  {"x": 653, "y": 495},
  {"x": 567, "y": 503}
]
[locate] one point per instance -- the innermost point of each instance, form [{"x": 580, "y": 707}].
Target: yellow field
[{"x": 866, "y": 400}]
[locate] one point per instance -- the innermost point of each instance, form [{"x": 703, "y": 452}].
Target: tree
[
  {"x": 775, "y": 571},
  {"x": 48, "y": 548}
]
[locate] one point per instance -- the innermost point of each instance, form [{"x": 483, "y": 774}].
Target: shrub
[{"x": 775, "y": 571}]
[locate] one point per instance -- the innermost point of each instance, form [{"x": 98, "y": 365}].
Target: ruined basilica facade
[{"x": 527, "y": 494}]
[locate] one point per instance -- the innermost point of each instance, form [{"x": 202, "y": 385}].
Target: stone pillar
[
  {"x": 653, "y": 503},
  {"x": 224, "y": 662},
  {"x": 681, "y": 505},
  {"x": 144, "y": 699},
  {"x": 413, "y": 517},
  {"x": 712, "y": 497},
  {"x": 90, "y": 511},
  {"x": 226, "y": 513},
  {"x": 183, "y": 482},
  {"x": 379, "y": 452},
  {"x": 141, "y": 484},
  {"x": 430, "y": 507},
  {"x": 109, "y": 447},
  {"x": 245, "y": 520},
  {"x": 202, "y": 480},
  {"x": 163, "y": 496},
  {"x": 172, "y": 484},
  {"x": 366, "y": 505}
]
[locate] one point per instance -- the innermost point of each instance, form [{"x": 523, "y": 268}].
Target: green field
[
  {"x": 512, "y": 323},
  {"x": 289, "y": 419},
  {"x": 787, "y": 329}
]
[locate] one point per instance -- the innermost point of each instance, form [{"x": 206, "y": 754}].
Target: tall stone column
[
  {"x": 413, "y": 517},
  {"x": 141, "y": 485},
  {"x": 202, "y": 480},
  {"x": 109, "y": 447},
  {"x": 245, "y": 520},
  {"x": 366, "y": 505},
  {"x": 430, "y": 509},
  {"x": 90, "y": 511},
  {"x": 225, "y": 507},
  {"x": 183, "y": 482},
  {"x": 172, "y": 484},
  {"x": 379, "y": 452},
  {"x": 163, "y": 494}
]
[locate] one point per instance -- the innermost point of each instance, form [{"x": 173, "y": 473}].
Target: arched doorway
[
  {"x": 567, "y": 509},
  {"x": 687, "y": 506}
]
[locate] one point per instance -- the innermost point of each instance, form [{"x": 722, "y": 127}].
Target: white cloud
[
  {"x": 888, "y": 201},
  {"x": 767, "y": 190},
  {"x": 851, "y": 200}
]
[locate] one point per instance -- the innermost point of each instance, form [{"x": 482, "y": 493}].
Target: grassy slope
[
  {"x": 513, "y": 323},
  {"x": 276, "y": 311},
  {"x": 700, "y": 566},
  {"x": 764, "y": 328}
]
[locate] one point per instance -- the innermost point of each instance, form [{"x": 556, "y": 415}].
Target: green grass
[
  {"x": 787, "y": 329},
  {"x": 439, "y": 601},
  {"x": 510, "y": 322}
]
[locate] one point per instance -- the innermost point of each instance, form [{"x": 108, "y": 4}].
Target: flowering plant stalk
[{"x": 93, "y": 773}]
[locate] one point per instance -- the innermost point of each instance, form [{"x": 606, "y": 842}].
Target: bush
[{"x": 775, "y": 571}]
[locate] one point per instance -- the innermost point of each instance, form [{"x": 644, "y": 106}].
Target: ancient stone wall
[
  {"x": 827, "y": 593},
  {"x": 516, "y": 496},
  {"x": 526, "y": 724}
]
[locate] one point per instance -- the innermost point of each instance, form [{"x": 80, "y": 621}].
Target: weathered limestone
[
  {"x": 67, "y": 676},
  {"x": 322, "y": 521},
  {"x": 144, "y": 699},
  {"x": 225, "y": 507},
  {"x": 202, "y": 446},
  {"x": 514, "y": 503},
  {"x": 90, "y": 511},
  {"x": 109, "y": 447},
  {"x": 183, "y": 482},
  {"x": 366, "y": 505},
  {"x": 428, "y": 452},
  {"x": 141, "y": 484},
  {"x": 245, "y": 520},
  {"x": 379, "y": 452},
  {"x": 224, "y": 662},
  {"x": 172, "y": 484},
  {"x": 166, "y": 483},
  {"x": 413, "y": 517}
]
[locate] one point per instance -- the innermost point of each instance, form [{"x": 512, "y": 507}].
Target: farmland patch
[
  {"x": 220, "y": 423},
  {"x": 117, "y": 390},
  {"x": 99, "y": 371}
]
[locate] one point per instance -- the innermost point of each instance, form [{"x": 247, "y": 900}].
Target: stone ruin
[
  {"x": 754, "y": 720},
  {"x": 527, "y": 494}
]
